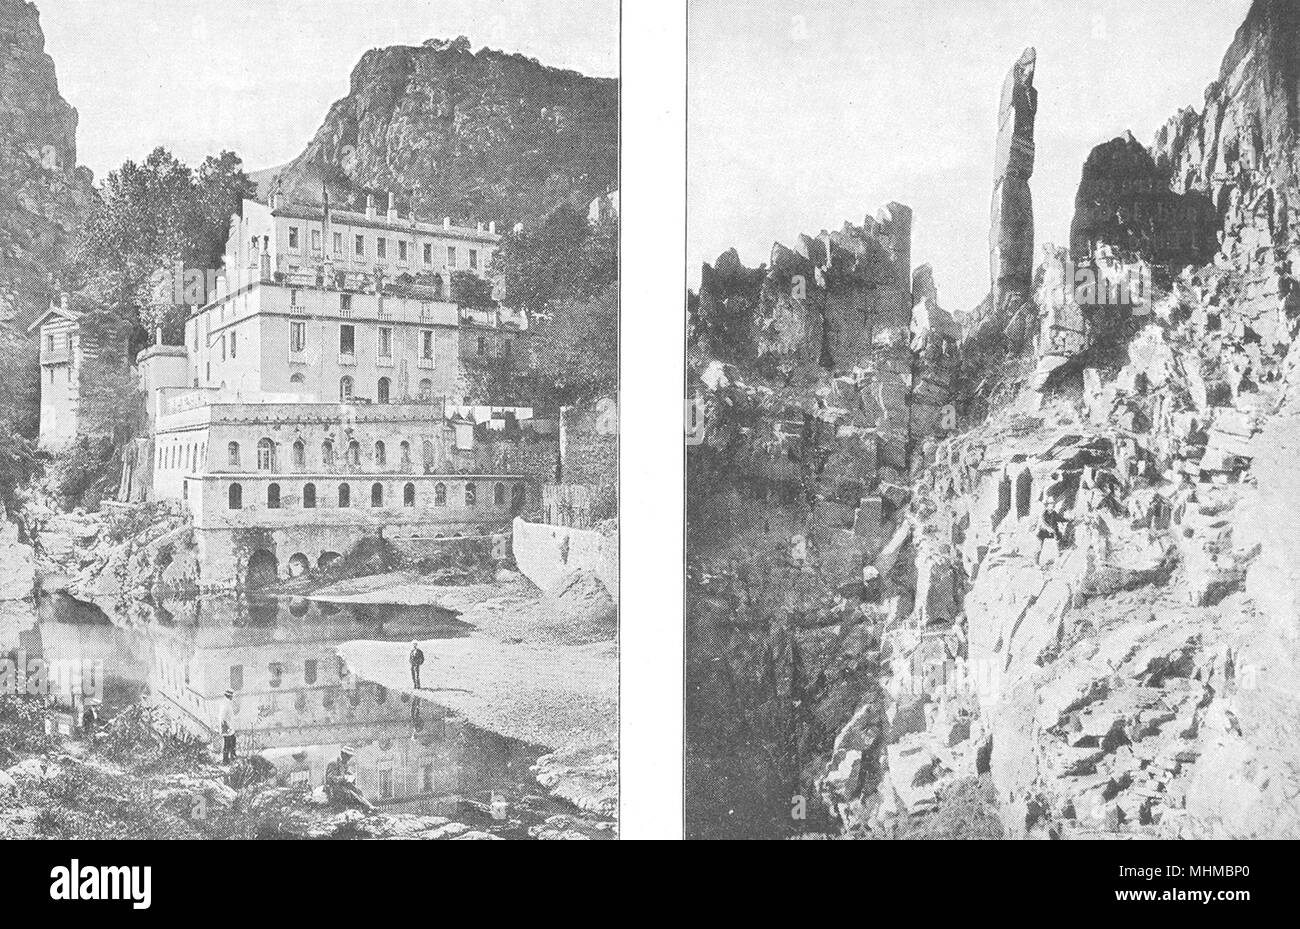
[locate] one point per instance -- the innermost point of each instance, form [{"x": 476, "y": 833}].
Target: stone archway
[
  {"x": 299, "y": 565},
  {"x": 326, "y": 559},
  {"x": 263, "y": 569}
]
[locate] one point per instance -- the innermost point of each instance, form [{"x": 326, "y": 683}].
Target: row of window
[
  {"x": 381, "y": 248},
  {"x": 191, "y": 455},
  {"x": 235, "y": 495},
  {"x": 348, "y": 341}
]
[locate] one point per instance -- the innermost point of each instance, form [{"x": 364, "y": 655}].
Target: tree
[
  {"x": 564, "y": 275},
  {"x": 575, "y": 351},
  {"x": 152, "y": 216}
]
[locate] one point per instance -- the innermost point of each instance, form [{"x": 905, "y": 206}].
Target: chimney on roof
[
  {"x": 446, "y": 222},
  {"x": 492, "y": 227},
  {"x": 63, "y": 301},
  {"x": 392, "y": 207},
  {"x": 270, "y": 200},
  {"x": 370, "y": 206},
  {"x": 478, "y": 227}
]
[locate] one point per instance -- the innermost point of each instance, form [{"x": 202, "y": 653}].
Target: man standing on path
[
  {"x": 417, "y": 659},
  {"x": 228, "y": 728}
]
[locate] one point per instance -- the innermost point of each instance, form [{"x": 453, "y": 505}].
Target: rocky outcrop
[
  {"x": 1011, "y": 236},
  {"x": 17, "y": 564},
  {"x": 1085, "y": 597},
  {"x": 476, "y": 136},
  {"x": 45, "y": 192}
]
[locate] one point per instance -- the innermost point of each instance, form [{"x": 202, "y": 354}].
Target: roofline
[{"x": 70, "y": 315}]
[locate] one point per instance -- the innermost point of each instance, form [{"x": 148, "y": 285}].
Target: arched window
[
  {"x": 499, "y": 495},
  {"x": 297, "y": 380},
  {"x": 232, "y": 454},
  {"x": 381, "y": 454},
  {"x": 327, "y": 453},
  {"x": 471, "y": 495},
  {"x": 265, "y": 455},
  {"x": 426, "y": 389},
  {"x": 376, "y": 494},
  {"x": 427, "y": 452},
  {"x": 345, "y": 496},
  {"x": 309, "y": 496},
  {"x": 235, "y": 497},
  {"x": 273, "y": 496},
  {"x": 406, "y": 454},
  {"x": 517, "y": 497},
  {"x": 381, "y": 393},
  {"x": 300, "y": 454},
  {"x": 408, "y": 495},
  {"x": 354, "y": 453},
  {"x": 345, "y": 388},
  {"x": 439, "y": 494}
]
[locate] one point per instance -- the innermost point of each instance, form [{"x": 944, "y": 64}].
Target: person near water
[
  {"x": 417, "y": 659},
  {"x": 228, "y": 728},
  {"x": 341, "y": 782}
]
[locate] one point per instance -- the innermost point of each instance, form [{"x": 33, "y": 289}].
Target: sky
[
  {"x": 804, "y": 115},
  {"x": 258, "y": 76}
]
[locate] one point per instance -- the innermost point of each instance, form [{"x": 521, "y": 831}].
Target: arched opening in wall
[
  {"x": 309, "y": 496},
  {"x": 265, "y": 455},
  {"x": 300, "y": 454},
  {"x": 376, "y": 494},
  {"x": 273, "y": 496},
  {"x": 345, "y": 496},
  {"x": 263, "y": 569},
  {"x": 381, "y": 454},
  {"x": 517, "y": 494},
  {"x": 381, "y": 390},
  {"x": 345, "y": 388},
  {"x": 298, "y": 566},
  {"x": 440, "y": 494},
  {"x": 1024, "y": 493},
  {"x": 408, "y": 495},
  {"x": 324, "y": 561},
  {"x": 327, "y": 453},
  {"x": 297, "y": 380},
  {"x": 427, "y": 452},
  {"x": 232, "y": 454},
  {"x": 235, "y": 497},
  {"x": 471, "y": 495},
  {"x": 354, "y": 453},
  {"x": 405, "y": 454},
  {"x": 499, "y": 495},
  {"x": 426, "y": 389}
]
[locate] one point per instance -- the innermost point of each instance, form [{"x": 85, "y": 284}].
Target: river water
[{"x": 296, "y": 701}]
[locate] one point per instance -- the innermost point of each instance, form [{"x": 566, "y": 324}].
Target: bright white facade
[{"x": 319, "y": 395}]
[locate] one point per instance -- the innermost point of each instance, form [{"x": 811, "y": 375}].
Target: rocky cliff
[
  {"x": 1076, "y": 613},
  {"x": 474, "y": 136},
  {"x": 42, "y": 191}
]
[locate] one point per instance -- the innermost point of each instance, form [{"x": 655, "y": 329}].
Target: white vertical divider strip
[{"x": 653, "y": 217}]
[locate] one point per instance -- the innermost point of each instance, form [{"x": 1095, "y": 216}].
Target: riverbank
[
  {"x": 531, "y": 668},
  {"x": 137, "y": 779}
]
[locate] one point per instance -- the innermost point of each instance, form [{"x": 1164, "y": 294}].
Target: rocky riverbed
[{"x": 525, "y": 679}]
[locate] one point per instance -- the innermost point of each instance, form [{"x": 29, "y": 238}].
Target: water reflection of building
[
  {"x": 294, "y": 700},
  {"x": 84, "y": 656}
]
